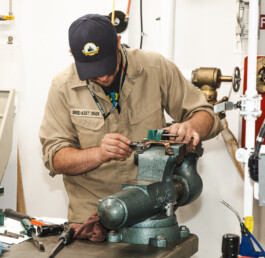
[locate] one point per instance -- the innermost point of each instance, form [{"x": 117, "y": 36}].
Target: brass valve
[
  {"x": 261, "y": 75},
  {"x": 209, "y": 79}
]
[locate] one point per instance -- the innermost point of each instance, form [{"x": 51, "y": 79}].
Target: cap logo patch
[{"x": 90, "y": 49}]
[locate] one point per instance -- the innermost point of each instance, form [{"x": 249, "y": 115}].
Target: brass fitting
[
  {"x": 209, "y": 76},
  {"x": 209, "y": 79},
  {"x": 261, "y": 75}
]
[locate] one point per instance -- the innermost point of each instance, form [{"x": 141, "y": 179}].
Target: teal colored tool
[{"x": 31, "y": 232}]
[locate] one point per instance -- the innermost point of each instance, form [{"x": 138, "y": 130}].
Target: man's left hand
[
  {"x": 196, "y": 128},
  {"x": 185, "y": 131}
]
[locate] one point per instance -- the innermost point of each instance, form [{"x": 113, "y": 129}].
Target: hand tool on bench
[
  {"x": 52, "y": 229},
  {"x": 31, "y": 232},
  {"x": 8, "y": 235},
  {"x": 9, "y": 213},
  {"x": 65, "y": 238},
  {"x": 13, "y": 234}
]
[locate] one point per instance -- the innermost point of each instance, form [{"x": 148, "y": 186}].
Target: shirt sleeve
[
  {"x": 181, "y": 99},
  {"x": 57, "y": 130}
]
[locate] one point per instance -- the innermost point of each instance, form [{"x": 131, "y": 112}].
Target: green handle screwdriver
[{"x": 31, "y": 232}]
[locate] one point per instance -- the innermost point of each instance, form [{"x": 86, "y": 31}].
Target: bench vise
[{"x": 144, "y": 211}]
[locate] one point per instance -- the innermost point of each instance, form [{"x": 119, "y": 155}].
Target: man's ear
[{"x": 119, "y": 42}]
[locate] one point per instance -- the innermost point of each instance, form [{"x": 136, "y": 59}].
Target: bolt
[
  {"x": 10, "y": 40},
  {"x": 159, "y": 237},
  {"x": 183, "y": 227}
]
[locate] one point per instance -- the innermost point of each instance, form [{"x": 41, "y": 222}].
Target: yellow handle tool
[{"x": 7, "y": 17}]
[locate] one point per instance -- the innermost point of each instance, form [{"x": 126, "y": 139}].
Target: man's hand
[
  {"x": 73, "y": 161},
  {"x": 185, "y": 131},
  {"x": 196, "y": 128},
  {"x": 114, "y": 146}
]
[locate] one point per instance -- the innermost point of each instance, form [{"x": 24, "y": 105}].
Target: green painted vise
[{"x": 144, "y": 211}]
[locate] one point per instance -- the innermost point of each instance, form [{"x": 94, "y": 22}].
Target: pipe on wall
[
  {"x": 10, "y": 8},
  {"x": 251, "y": 92}
]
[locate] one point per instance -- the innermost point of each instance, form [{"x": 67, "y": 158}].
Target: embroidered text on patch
[{"x": 85, "y": 113}]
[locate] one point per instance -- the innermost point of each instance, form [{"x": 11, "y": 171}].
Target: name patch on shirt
[{"x": 85, "y": 112}]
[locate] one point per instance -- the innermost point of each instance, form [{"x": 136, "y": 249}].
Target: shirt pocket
[
  {"x": 145, "y": 117},
  {"x": 90, "y": 130}
]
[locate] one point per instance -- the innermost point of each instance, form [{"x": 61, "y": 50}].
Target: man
[{"x": 108, "y": 98}]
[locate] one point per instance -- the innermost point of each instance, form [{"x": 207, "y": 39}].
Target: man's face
[{"x": 107, "y": 80}]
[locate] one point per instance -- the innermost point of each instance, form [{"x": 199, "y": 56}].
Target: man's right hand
[
  {"x": 114, "y": 146},
  {"x": 73, "y": 161}
]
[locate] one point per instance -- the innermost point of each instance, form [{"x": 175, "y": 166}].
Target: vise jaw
[{"x": 145, "y": 208}]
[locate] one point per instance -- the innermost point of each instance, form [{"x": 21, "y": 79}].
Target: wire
[
  {"x": 141, "y": 19},
  {"x": 128, "y": 7},
  {"x": 253, "y": 161},
  {"x": 232, "y": 209},
  {"x": 260, "y": 139}
]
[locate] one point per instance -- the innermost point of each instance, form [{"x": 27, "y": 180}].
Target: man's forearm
[
  {"x": 202, "y": 122},
  {"x": 73, "y": 161}
]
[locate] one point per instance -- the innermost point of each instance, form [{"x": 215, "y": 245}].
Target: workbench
[{"x": 83, "y": 248}]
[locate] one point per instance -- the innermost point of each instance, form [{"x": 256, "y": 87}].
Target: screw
[
  {"x": 10, "y": 40},
  {"x": 159, "y": 237},
  {"x": 182, "y": 228}
]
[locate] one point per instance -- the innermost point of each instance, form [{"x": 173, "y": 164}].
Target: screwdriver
[
  {"x": 65, "y": 239},
  {"x": 31, "y": 232}
]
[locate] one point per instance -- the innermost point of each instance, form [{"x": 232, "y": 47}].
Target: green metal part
[
  {"x": 2, "y": 218},
  {"x": 155, "y": 231},
  {"x": 155, "y": 135},
  {"x": 29, "y": 228},
  {"x": 188, "y": 177},
  {"x": 143, "y": 212}
]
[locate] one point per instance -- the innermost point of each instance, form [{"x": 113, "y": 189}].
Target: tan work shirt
[{"x": 152, "y": 84}]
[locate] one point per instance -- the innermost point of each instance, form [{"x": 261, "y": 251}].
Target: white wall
[{"x": 205, "y": 36}]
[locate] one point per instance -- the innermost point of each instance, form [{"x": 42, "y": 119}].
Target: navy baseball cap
[{"x": 93, "y": 43}]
